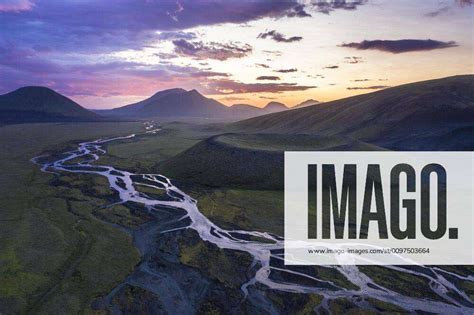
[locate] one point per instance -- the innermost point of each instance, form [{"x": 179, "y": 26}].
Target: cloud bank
[
  {"x": 233, "y": 87},
  {"x": 327, "y": 6},
  {"x": 401, "y": 46},
  {"x": 212, "y": 50}
]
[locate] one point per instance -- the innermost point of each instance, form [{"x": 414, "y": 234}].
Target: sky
[{"x": 109, "y": 53}]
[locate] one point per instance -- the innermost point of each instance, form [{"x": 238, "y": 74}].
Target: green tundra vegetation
[{"x": 55, "y": 254}]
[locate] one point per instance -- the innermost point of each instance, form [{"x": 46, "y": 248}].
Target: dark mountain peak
[
  {"x": 275, "y": 105},
  {"x": 38, "y": 103},
  {"x": 195, "y": 92},
  {"x": 34, "y": 90},
  {"x": 164, "y": 93},
  {"x": 175, "y": 90},
  {"x": 36, "y": 97},
  {"x": 173, "y": 103}
]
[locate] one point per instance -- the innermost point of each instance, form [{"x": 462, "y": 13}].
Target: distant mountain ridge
[
  {"x": 41, "y": 104},
  {"x": 275, "y": 107},
  {"x": 181, "y": 103},
  {"x": 173, "y": 103},
  {"x": 243, "y": 111}
]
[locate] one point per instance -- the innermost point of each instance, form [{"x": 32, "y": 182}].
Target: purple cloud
[
  {"x": 279, "y": 37},
  {"x": 353, "y": 60},
  {"x": 226, "y": 86},
  {"x": 268, "y": 78},
  {"x": 16, "y": 5},
  {"x": 375, "y": 87},
  {"x": 463, "y": 3},
  {"x": 212, "y": 50},
  {"x": 177, "y": 35},
  {"x": 103, "y": 26},
  {"x": 446, "y": 8},
  {"x": 438, "y": 12},
  {"x": 286, "y": 70},
  {"x": 55, "y": 43},
  {"x": 327, "y": 6},
  {"x": 298, "y": 11},
  {"x": 273, "y": 52},
  {"x": 400, "y": 46},
  {"x": 315, "y": 76},
  {"x": 208, "y": 74},
  {"x": 27, "y": 67}
]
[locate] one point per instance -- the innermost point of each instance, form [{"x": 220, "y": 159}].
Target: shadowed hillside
[
  {"x": 306, "y": 103},
  {"x": 41, "y": 104},
  {"x": 428, "y": 115},
  {"x": 248, "y": 161}
]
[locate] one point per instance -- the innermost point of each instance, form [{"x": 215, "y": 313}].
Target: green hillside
[
  {"x": 248, "y": 161},
  {"x": 430, "y": 114}
]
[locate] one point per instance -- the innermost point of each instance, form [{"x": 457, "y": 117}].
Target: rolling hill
[
  {"x": 176, "y": 103},
  {"x": 306, "y": 103},
  {"x": 41, "y": 104},
  {"x": 250, "y": 161},
  {"x": 428, "y": 115}
]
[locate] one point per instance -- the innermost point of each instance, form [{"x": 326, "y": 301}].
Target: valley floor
[{"x": 66, "y": 248}]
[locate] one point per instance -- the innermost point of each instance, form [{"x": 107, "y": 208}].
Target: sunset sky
[{"x": 105, "y": 54}]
